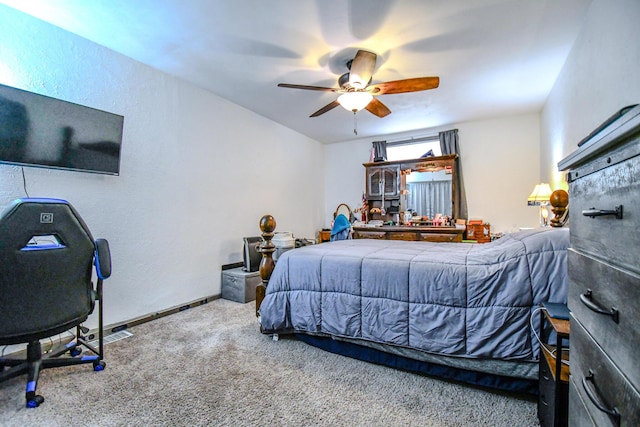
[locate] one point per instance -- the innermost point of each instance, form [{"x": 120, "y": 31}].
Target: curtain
[
  {"x": 449, "y": 145},
  {"x": 379, "y": 151},
  {"x": 430, "y": 198}
]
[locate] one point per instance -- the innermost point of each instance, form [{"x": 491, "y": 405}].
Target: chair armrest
[{"x": 102, "y": 259}]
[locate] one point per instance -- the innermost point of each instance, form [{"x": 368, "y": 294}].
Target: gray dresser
[{"x": 604, "y": 276}]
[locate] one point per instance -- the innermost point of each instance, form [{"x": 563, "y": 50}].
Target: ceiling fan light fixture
[{"x": 355, "y": 101}]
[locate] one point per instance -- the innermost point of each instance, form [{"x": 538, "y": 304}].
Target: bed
[{"x": 461, "y": 311}]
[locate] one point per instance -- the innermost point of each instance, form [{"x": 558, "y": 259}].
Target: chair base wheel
[{"x": 35, "y": 401}]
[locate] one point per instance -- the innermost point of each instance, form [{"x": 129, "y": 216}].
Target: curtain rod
[{"x": 413, "y": 140}]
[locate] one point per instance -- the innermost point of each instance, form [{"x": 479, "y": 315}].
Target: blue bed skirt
[{"x": 479, "y": 379}]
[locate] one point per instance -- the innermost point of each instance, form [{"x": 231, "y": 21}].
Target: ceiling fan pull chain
[{"x": 355, "y": 123}]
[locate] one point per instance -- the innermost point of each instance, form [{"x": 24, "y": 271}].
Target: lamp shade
[
  {"x": 355, "y": 101},
  {"x": 539, "y": 195}
]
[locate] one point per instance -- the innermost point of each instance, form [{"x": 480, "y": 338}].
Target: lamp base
[{"x": 544, "y": 215}]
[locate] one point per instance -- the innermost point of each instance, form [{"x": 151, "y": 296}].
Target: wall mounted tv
[{"x": 40, "y": 131}]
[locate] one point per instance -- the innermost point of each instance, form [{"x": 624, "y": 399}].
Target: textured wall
[
  {"x": 599, "y": 78},
  {"x": 197, "y": 172}
]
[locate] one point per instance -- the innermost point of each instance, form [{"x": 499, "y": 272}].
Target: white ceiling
[{"x": 493, "y": 57}]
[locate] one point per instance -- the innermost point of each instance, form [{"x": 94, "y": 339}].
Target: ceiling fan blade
[
  {"x": 324, "y": 89},
  {"x": 403, "y": 86},
  {"x": 362, "y": 69},
  {"x": 326, "y": 108},
  {"x": 377, "y": 108}
]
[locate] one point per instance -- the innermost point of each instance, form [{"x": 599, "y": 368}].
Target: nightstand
[
  {"x": 553, "y": 398},
  {"x": 324, "y": 236}
]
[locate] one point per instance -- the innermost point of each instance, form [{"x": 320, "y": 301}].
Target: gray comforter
[{"x": 457, "y": 299}]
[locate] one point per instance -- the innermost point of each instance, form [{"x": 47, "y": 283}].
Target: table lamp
[{"x": 540, "y": 197}]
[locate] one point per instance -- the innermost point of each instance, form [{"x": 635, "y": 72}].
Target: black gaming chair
[{"x": 46, "y": 257}]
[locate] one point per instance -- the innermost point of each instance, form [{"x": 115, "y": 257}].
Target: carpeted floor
[{"x": 210, "y": 366}]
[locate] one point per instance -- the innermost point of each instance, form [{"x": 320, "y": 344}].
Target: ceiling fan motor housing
[{"x": 343, "y": 82}]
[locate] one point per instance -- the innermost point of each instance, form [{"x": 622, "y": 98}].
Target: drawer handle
[
  {"x": 589, "y": 387},
  {"x": 587, "y": 299},
  {"x": 593, "y": 212}
]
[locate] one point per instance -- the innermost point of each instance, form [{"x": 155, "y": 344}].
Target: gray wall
[{"x": 600, "y": 77}]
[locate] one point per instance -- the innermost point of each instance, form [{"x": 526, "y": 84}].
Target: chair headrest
[{"x": 31, "y": 217}]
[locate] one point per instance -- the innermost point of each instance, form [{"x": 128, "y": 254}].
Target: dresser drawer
[
  {"x": 593, "y": 373},
  {"x": 606, "y": 236},
  {"x": 578, "y": 408},
  {"x": 440, "y": 237},
  {"x": 611, "y": 289},
  {"x": 380, "y": 235},
  {"x": 402, "y": 235}
]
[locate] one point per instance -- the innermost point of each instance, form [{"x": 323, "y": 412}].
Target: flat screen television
[
  {"x": 250, "y": 254},
  {"x": 40, "y": 131}
]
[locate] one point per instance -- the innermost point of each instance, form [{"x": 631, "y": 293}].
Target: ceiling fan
[{"x": 358, "y": 93}]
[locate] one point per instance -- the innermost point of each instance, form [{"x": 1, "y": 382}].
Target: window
[{"x": 412, "y": 149}]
